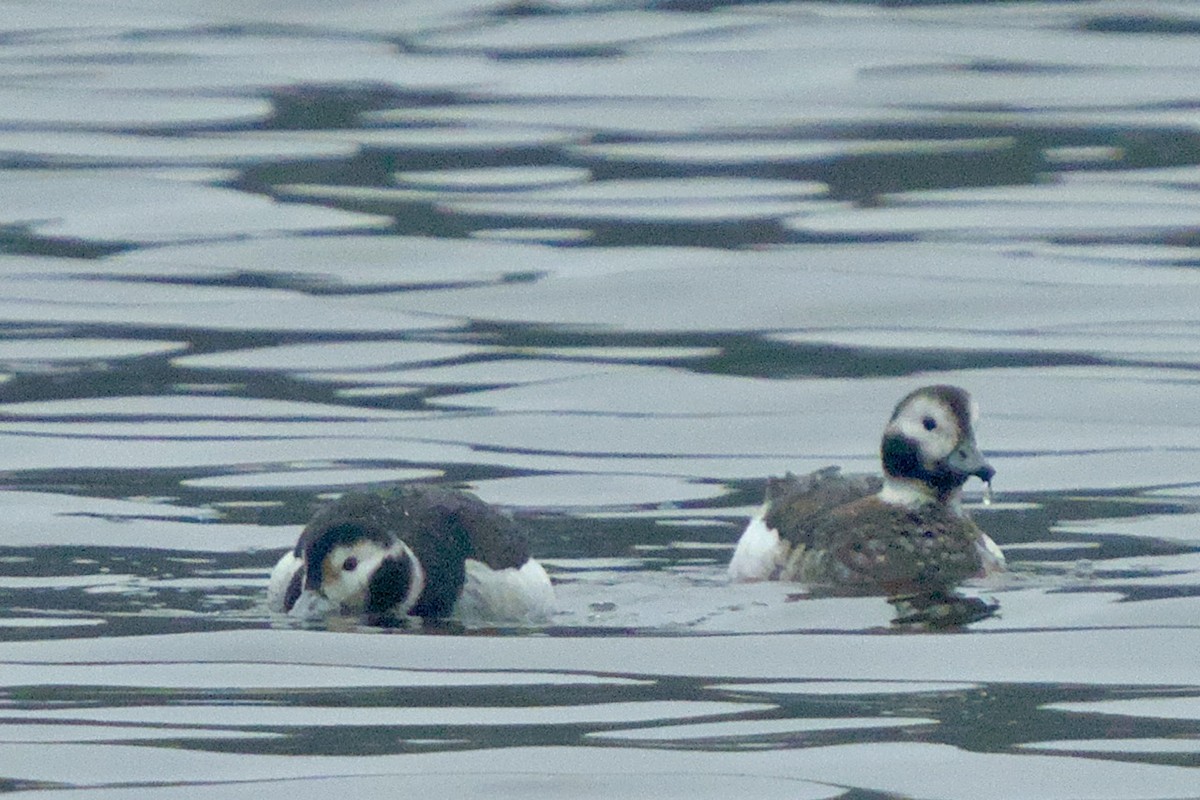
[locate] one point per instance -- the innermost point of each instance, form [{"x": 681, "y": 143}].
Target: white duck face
[
  {"x": 929, "y": 448},
  {"x": 355, "y": 570}
]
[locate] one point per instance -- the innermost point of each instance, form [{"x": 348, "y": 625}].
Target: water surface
[{"x": 609, "y": 265}]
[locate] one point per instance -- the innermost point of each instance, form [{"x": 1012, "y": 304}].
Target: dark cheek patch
[
  {"x": 901, "y": 457},
  {"x": 389, "y": 585}
]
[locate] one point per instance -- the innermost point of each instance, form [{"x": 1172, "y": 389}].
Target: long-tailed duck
[
  {"x": 906, "y": 536},
  {"x": 412, "y": 551}
]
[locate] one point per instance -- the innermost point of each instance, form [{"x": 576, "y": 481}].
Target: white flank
[
  {"x": 505, "y": 595},
  {"x": 759, "y": 552},
  {"x": 281, "y": 578},
  {"x": 990, "y": 555}
]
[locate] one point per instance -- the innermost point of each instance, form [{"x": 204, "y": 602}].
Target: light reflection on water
[{"x": 609, "y": 266}]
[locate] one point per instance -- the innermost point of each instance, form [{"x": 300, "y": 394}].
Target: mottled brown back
[
  {"x": 900, "y": 550},
  {"x": 798, "y": 505}
]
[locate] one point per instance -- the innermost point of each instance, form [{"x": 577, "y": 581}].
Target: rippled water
[{"x": 609, "y": 264}]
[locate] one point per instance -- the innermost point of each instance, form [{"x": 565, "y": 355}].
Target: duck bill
[
  {"x": 966, "y": 460},
  {"x": 311, "y": 604}
]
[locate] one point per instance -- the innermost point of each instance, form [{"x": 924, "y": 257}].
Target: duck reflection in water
[{"x": 905, "y": 536}]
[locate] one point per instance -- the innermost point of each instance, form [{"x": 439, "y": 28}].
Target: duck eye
[
  {"x": 350, "y": 564},
  {"x": 930, "y": 423}
]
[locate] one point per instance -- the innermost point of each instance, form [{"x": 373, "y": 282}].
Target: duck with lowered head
[{"x": 412, "y": 551}]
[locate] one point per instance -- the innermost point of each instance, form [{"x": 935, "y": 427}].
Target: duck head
[
  {"x": 354, "y": 567},
  {"x": 929, "y": 448}
]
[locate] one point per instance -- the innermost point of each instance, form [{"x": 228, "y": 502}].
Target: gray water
[{"x": 609, "y": 264}]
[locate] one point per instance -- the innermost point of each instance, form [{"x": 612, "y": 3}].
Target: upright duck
[{"x": 906, "y": 536}]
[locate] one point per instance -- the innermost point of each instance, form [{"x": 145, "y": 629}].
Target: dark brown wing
[
  {"x": 487, "y": 533},
  {"x": 429, "y": 518},
  {"x": 796, "y": 506}
]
